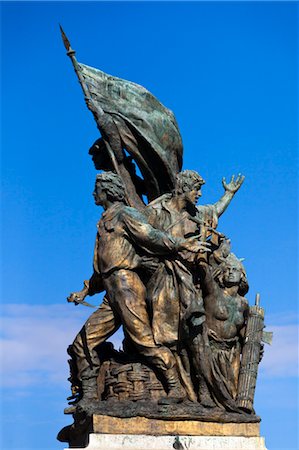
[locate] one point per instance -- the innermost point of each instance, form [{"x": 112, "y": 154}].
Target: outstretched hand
[
  {"x": 234, "y": 185},
  {"x": 195, "y": 245}
]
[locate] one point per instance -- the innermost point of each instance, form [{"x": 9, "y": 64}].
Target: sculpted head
[
  {"x": 100, "y": 156},
  {"x": 232, "y": 273},
  {"x": 108, "y": 188},
  {"x": 188, "y": 183}
]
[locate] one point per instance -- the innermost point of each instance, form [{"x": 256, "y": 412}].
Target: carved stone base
[
  {"x": 146, "y": 442},
  {"x": 102, "y": 432},
  {"x": 159, "y": 427}
]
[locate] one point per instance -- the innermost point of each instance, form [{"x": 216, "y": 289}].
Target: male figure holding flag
[
  {"x": 124, "y": 235},
  {"x": 130, "y": 118}
]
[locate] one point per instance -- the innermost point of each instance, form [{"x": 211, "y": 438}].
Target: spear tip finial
[{"x": 66, "y": 42}]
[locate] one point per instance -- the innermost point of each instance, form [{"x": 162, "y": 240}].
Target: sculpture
[
  {"x": 168, "y": 275},
  {"x": 123, "y": 236}
]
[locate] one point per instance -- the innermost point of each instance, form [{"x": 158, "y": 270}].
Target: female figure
[{"x": 217, "y": 348}]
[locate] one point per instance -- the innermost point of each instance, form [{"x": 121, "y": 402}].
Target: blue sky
[{"x": 229, "y": 73}]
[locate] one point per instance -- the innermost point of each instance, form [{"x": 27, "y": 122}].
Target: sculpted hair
[
  {"x": 112, "y": 184},
  {"x": 187, "y": 181},
  {"x": 232, "y": 259}
]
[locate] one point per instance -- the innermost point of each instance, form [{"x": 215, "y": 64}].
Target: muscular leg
[
  {"x": 98, "y": 327},
  {"x": 127, "y": 296}
]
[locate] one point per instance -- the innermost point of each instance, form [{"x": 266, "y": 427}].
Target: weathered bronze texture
[
  {"x": 169, "y": 279},
  {"x": 251, "y": 356}
]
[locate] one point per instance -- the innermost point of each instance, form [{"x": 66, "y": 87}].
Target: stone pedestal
[
  {"x": 140, "y": 433},
  {"x": 164, "y": 427},
  {"x": 146, "y": 442}
]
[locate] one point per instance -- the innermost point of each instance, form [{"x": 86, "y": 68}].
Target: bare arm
[
  {"x": 91, "y": 287},
  {"x": 208, "y": 284},
  {"x": 230, "y": 189},
  {"x": 243, "y": 329}
]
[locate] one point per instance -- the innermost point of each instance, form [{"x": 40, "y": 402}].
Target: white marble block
[{"x": 146, "y": 442}]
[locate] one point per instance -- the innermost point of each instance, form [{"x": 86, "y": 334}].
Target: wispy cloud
[
  {"x": 34, "y": 340},
  {"x": 281, "y": 358}
]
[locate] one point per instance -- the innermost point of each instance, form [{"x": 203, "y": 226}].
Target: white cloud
[
  {"x": 34, "y": 341},
  {"x": 35, "y": 338},
  {"x": 281, "y": 358},
  {"x": 283, "y": 318}
]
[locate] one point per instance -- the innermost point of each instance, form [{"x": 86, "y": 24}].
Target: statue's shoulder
[
  {"x": 244, "y": 302},
  {"x": 207, "y": 213},
  {"x": 111, "y": 217},
  {"x": 159, "y": 202},
  {"x": 127, "y": 212},
  {"x": 201, "y": 209}
]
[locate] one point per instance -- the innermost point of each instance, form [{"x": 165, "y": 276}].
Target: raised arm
[
  {"x": 230, "y": 189},
  {"x": 207, "y": 282}
]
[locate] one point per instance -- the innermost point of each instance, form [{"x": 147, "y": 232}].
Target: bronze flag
[{"x": 148, "y": 130}]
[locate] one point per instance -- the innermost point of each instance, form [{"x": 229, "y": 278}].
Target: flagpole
[{"x": 71, "y": 53}]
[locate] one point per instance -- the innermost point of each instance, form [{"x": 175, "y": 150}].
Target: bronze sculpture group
[{"x": 168, "y": 275}]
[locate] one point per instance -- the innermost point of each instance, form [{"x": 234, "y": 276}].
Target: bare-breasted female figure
[{"x": 219, "y": 344}]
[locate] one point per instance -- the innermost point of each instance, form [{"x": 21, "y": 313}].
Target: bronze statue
[
  {"x": 169, "y": 277},
  {"x": 217, "y": 358},
  {"x": 123, "y": 235},
  {"x": 177, "y": 292}
]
